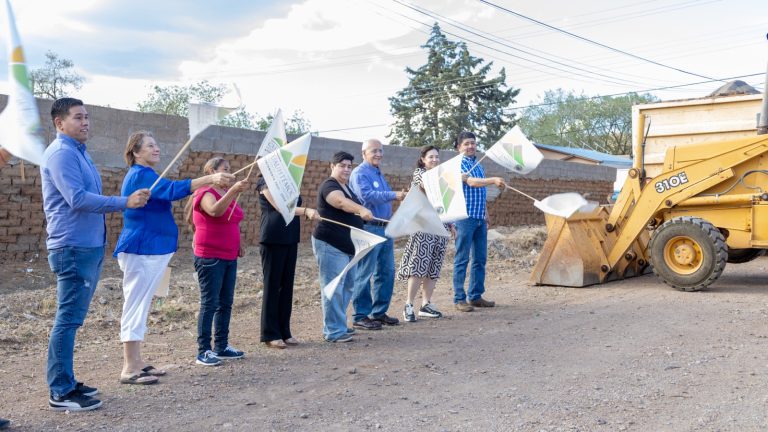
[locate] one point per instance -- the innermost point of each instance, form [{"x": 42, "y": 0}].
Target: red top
[{"x": 216, "y": 237}]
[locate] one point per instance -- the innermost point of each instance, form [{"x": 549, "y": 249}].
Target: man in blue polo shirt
[
  {"x": 368, "y": 183},
  {"x": 472, "y": 233},
  {"x": 74, "y": 211}
]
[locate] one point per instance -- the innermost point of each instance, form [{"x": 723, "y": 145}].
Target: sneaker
[
  {"x": 345, "y": 338},
  {"x": 386, "y": 320},
  {"x": 208, "y": 358},
  {"x": 86, "y": 390},
  {"x": 464, "y": 306},
  {"x": 429, "y": 310},
  {"x": 230, "y": 353},
  {"x": 482, "y": 303},
  {"x": 367, "y": 324},
  {"x": 4, "y": 423},
  {"x": 408, "y": 314},
  {"x": 73, "y": 401},
  {"x": 350, "y": 330}
]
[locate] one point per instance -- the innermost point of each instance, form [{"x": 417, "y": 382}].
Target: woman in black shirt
[
  {"x": 279, "y": 248},
  {"x": 332, "y": 245}
]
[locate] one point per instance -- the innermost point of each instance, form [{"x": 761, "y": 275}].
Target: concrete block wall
[{"x": 22, "y": 222}]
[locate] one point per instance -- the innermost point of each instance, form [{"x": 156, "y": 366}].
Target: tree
[
  {"x": 52, "y": 80},
  {"x": 174, "y": 100},
  {"x": 596, "y": 123},
  {"x": 449, "y": 94}
]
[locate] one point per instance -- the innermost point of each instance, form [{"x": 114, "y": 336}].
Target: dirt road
[{"x": 634, "y": 355}]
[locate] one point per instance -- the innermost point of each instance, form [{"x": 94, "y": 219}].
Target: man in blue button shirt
[
  {"x": 472, "y": 233},
  {"x": 368, "y": 183},
  {"x": 74, "y": 211}
]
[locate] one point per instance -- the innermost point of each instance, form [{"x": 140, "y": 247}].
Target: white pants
[{"x": 141, "y": 276}]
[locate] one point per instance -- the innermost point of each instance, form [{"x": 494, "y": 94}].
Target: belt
[{"x": 376, "y": 223}]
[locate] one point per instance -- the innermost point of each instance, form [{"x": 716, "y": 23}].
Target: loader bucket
[{"x": 575, "y": 252}]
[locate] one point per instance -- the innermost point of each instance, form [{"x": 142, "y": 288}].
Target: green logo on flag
[{"x": 295, "y": 164}]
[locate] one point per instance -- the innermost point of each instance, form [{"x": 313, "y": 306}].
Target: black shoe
[
  {"x": 4, "y": 423},
  {"x": 86, "y": 390},
  {"x": 367, "y": 324},
  {"x": 386, "y": 320},
  {"x": 74, "y": 401}
]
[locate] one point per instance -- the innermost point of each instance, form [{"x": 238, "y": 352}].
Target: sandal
[
  {"x": 291, "y": 341},
  {"x": 151, "y": 370},
  {"x": 139, "y": 379},
  {"x": 277, "y": 344}
]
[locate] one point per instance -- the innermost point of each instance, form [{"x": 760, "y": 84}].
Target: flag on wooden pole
[
  {"x": 275, "y": 137},
  {"x": 364, "y": 242},
  {"x": 514, "y": 152},
  {"x": 415, "y": 214},
  {"x": 444, "y": 190},
  {"x": 283, "y": 171},
  {"x": 20, "y": 130}
]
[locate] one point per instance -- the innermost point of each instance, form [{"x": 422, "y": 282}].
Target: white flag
[
  {"x": 202, "y": 115},
  {"x": 444, "y": 190},
  {"x": 283, "y": 171},
  {"x": 415, "y": 214},
  {"x": 563, "y": 205},
  {"x": 364, "y": 242},
  {"x": 20, "y": 130},
  {"x": 275, "y": 137},
  {"x": 514, "y": 152}
]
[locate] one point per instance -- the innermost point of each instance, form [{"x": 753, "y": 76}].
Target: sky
[{"x": 339, "y": 61}]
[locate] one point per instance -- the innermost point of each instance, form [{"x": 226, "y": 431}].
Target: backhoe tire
[
  {"x": 688, "y": 253},
  {"x": 738, "y": 256}
]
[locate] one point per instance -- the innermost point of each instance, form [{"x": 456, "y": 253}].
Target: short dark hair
[
  {"x": 424, "y": 150},
  {"x": 61, "y": 106},
  {"x": 462, "y": 136},
  {"x": 341, "y": 156}
]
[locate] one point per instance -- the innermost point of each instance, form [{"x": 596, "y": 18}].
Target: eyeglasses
[{"x": 376, "y": 151}]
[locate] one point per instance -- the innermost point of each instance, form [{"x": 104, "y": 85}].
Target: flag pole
[
  {"x": 520, "y": 192},
  {"x": 477, "y": 163},
  {"x": 246, "y": 178},
  {"x": 336, "y": 222},
  {"x": 168, "y": 168},
  {"x": 250, "y": 165}
]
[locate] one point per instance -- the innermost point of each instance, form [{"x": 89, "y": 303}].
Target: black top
[
  {"x": 273, "y": 228},
  {"x": 329, "y": 232}
]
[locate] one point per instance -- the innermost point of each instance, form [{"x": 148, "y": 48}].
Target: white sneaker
[
  {"x": 430, "y": 311},
  {"x": 408, "y": 314}
]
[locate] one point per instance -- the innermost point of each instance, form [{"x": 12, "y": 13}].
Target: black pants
[{"x": 279, "y": 266}]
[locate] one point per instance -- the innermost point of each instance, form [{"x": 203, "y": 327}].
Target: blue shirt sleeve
[
  {"x": 166, "y": 190},
  {"x": 66, "y": 174},
  {"x": 362, "y": 184}
]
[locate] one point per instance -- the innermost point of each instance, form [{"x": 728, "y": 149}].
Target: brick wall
[{"x": 22, "y": 222}]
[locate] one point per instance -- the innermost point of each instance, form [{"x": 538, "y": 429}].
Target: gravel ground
[{"x": 634, "y": 355}]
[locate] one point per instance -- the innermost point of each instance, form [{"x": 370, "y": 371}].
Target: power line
[{"x": 582, "y": 38}]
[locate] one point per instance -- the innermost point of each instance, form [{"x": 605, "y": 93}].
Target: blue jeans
[
  {"x": 379, "y": 265},
  {"x": 471, "y": 234},
  {"x": 331, "y": 262},
  {"x": 77, "y": 272},
  {"x": 217, "y": 279}
]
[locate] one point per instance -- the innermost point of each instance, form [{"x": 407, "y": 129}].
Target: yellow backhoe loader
[{"x": 706, "y": 204}]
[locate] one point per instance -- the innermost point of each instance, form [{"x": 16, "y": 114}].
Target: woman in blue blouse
[{"x": 146, "y": 245}]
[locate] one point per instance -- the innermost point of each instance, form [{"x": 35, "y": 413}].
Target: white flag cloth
[
  {"x": 364, "y": 242},
  {"x": 202, "y": 115},
  {"x": 514, "y": 152},
  {"x": 415, "y": 214},
  {"x": 275, "y": 137},
  {"x": 20, "y": 130},
  {"x": 283, "y": 171},
  {"x": 563, "y": 205},
  {"x": 444, "y": 190}
]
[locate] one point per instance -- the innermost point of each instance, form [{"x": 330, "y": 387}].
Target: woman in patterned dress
[{"x": 424, "y": 253}]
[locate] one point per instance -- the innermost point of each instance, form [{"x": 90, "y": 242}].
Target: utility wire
[{"x": 582, "y": 38}]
